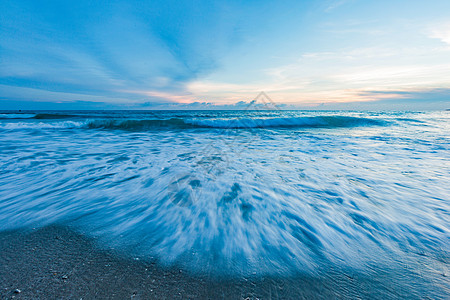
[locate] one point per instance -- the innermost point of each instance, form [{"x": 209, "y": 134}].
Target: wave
[
  {"x": 137, "y": 124},
  {"x": 39, "y": 116},
  {"x": 177, "y": 123},
  {"x": 41, "y": 125},
  {"x": 241, "y": 123},
  {"x": 317, "y": 121},
  {"x": 410, "y": 120},
  {"x": 17, "y": 116},
  {"x": 47, "y": 116}
]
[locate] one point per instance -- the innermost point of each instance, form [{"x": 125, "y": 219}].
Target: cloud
[
  {"x": 427, "y": 99},
  {"x": 97, "y": 49},
  {"x": 410, "y": 96},
  {"x": 333, "y": 4},
  {"x": 441, "y": 32},
  {"x": 164, "y": 96}
]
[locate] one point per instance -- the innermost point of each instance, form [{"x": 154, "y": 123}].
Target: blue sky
[{"x": 214, "y": 54}]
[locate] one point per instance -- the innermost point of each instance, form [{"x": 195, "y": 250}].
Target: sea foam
[{"x": 342, "y": 192}]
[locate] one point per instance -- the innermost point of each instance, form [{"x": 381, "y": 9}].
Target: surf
[{"x": 52, "y": 121}]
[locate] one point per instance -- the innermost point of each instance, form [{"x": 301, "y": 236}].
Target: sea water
[{"x": 262, "y": 192}]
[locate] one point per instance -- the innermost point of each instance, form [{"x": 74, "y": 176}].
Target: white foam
[
  {"x": 16, "y": 116},
  {"x": 41, "y": 125},
  {"x": 264, "y": 201},
  {"x": 256, "y": 123}
]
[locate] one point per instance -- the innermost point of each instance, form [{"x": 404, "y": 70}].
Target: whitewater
[{"x": 233, "y": 192}]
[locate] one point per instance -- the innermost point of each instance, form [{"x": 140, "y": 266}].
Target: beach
[{"x": 57, "y": 263}]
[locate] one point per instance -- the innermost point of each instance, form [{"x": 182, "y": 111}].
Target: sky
[{"x": 324, "y": 54}]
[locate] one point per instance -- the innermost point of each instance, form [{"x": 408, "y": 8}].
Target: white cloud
[
  {"x": 442, "y": 32},
  {"x": 333, "y": 4}
]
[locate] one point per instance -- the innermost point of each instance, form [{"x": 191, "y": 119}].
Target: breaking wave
[
  {"x": 43, "y": 116},
  {"x": 178, "y": 123},
  {"x": 16, "y": 116},
  {"x": 316, "y": 121},
  {"x": 41, "y": 125},
  {"x": 136, "y": 124}
]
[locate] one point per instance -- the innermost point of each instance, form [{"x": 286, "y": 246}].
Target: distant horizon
[
  {"x": 193, "y": 110},
  {"x": 348, "y": 106}
]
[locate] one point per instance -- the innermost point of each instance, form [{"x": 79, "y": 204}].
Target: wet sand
[{"x": 58, "y": 263}]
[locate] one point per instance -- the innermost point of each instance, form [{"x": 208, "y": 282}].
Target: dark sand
[{"x": 57, "y": 263}]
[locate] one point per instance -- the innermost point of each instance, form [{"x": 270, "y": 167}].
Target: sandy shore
[{"x": 57, "y": 263}]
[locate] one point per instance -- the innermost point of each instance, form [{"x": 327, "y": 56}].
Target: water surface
[{"x": 258, "y": 192}]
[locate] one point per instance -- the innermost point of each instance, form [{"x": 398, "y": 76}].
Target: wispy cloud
[
  {"x": 164, "y": 96},
  {"x": 333, "y": 4},
  {"x": 90, "y": 49},
  {"x": 441, "y": 32}
]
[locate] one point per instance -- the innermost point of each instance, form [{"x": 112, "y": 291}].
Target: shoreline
[{"x": 55, "y": 262}]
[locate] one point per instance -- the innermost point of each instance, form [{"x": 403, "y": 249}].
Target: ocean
[{"x": 239, "y": 192}]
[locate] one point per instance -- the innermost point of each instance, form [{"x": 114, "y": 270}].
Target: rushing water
[{"x": 233, "y": 191}]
